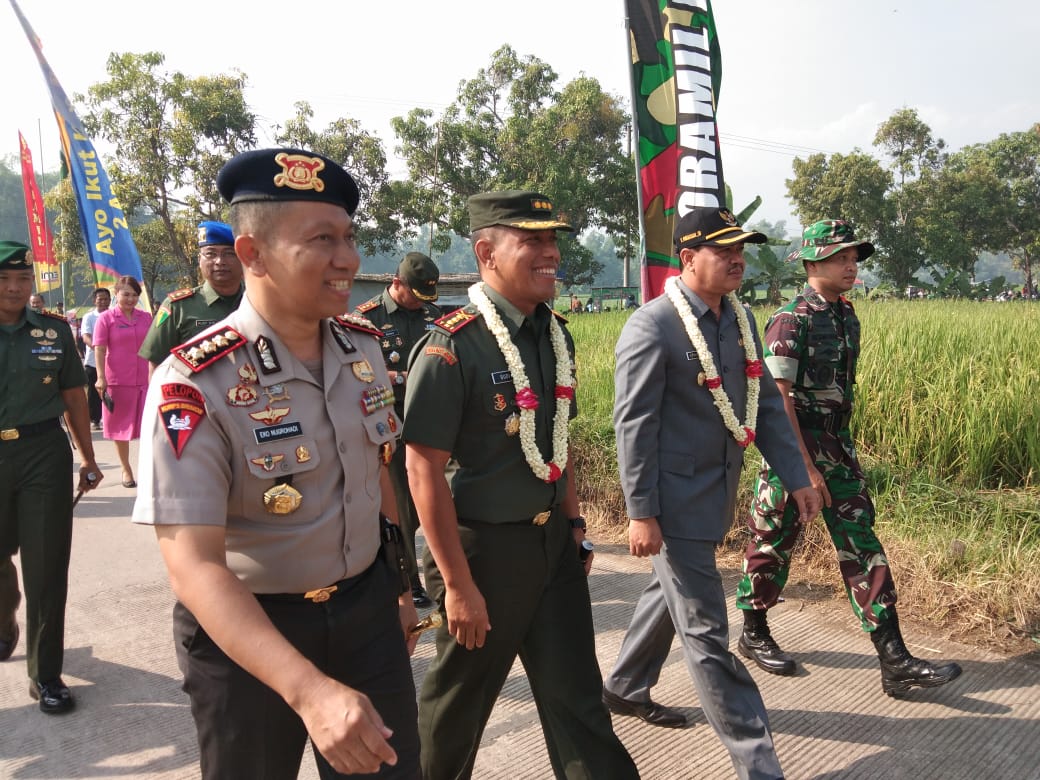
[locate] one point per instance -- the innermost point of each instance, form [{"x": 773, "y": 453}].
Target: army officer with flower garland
[
  {"x": 264, "y": 477},
  {"x": 691, "y": 394},
  {"x": 492, "y": 386}
]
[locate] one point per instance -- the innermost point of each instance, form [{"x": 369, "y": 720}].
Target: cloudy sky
[{"x": 798, "y": 76}]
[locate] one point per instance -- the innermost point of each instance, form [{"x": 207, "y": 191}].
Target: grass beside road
[{"x": 948, "y": 428}]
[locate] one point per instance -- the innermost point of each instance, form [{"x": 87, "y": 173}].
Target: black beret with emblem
[
  {"x": 708, "y": 225},
  {"x": 420, "y": 273},
  {"x": 524, "y": 209},
  {"x": 14, "y": 256},
  {"x": 286, "y": 174}
]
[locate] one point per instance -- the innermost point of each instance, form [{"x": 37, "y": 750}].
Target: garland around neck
[
  {"x": 526, "y": 398},
  {"x": 744, "y": 433}
]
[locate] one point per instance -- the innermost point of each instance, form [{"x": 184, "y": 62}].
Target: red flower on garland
[
  {"x": 750, "y": 437},
  {"x": 714, "y": 383},
  {"x": 554, "y": 472},
  {"x": 526, "y": 399},
  {"x": 753, "y": 368},
  {"x": 565, "y": 392}
]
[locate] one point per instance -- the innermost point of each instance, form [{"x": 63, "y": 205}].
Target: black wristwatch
[{"x": 578, "y": 522}]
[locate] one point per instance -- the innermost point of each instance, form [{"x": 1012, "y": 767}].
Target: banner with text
[
  {"x": 48, "y": 272},
  {"x": 676, "y": 74},
  {"x": 110, "y": 245}
]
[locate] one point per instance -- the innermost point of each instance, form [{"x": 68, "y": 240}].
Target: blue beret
[
  {"x": 215, "y": 233},
  {"x": 286, "y": 174}
]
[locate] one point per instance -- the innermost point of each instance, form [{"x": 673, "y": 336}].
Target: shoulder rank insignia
[
  {"x": 458, "y": 319},
  {"x": 357, "y": 322},
  {"x": 180, "y": 295},
  {"x": 54, "y": 316},
  {"x": 367, "y": 306},
  {"x": 206, "y": 350}
]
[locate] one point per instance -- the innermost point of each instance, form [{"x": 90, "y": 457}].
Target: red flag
[{"x": 48, "y": 274}]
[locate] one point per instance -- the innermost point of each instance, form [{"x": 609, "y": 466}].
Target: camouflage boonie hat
[{"x": 828, "y": 237}]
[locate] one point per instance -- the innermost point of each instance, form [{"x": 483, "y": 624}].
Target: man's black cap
[
  {"x": 704, "y": 225},
  {"x": 420, "y": 273},
  {"x": 524, "y": 209},
  {"x": 286, "y": 174}
]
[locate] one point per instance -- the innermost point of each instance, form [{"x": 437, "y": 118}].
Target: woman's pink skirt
[{"x": 123, "y": 423}]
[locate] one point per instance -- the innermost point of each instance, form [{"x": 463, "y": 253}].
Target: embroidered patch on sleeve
[
  {"x": 445, "y": 354},
  {"x": 181, "y": 410}
]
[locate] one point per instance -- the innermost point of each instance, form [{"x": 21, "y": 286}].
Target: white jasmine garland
[
  {"x": 526, "y": 398},
  {"x": 743, "y": 433}
]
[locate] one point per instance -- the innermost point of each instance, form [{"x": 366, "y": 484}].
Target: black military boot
[
  {"x": 899, "y": 670},
  {"x": 757, "y": 644}
]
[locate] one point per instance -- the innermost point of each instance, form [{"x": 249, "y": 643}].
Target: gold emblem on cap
[
  {"x": 363, "y": 371},
  {"x": 299, "y": 172},
  {"x": 282, "y": 499},
  {"x": 727, "y": 216}
]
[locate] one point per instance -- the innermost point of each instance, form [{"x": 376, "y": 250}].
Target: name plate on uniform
[
  {"x": 500, "y": 377},
  {"x": 276, "y": 432}
]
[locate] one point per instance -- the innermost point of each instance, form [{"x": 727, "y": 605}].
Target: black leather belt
[
  {"x": 831, "y": 423},
  {"x": 317, "y": 596},
  {"x": 32, "y": 429}
]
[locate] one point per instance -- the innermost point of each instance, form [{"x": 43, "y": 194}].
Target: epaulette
[
  {"x": 559, "y": 316},
  {"x": 357, "y": 322},
  {"x": 180, "y": 295},
  {"x": 205, "y": 350},
  {"x": 54, "y": 315},
  {"x": 367, "y": 306},
  {"x": 457, "y": 320}
]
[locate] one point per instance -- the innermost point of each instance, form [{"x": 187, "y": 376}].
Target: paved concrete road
[{"x": 831, "y": 721}]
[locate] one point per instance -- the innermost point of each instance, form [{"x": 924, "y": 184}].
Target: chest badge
[
  {"x": 268, "y": 461},
  {"x": 282, "y": 499},
  {"x": 270, "y": 416},
  {"x": 363, "y": 371},
  {"x": 241, "y": 395},
  {"x": 500, "y": 402},
  {"x": 302, "y": 454},
  {"x": 513, "y": 424}
]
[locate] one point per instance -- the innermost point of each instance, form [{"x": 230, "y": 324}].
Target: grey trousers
[{"x": 685, "y": 596}]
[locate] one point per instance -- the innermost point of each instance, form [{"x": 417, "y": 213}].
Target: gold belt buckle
[
  {"x": 321, "y": 594},
  {"x": 9, "y": 434},
  {"x": 541, "y": 518}
]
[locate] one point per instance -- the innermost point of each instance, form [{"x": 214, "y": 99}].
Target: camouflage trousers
[{"x": 849, "y": 519}]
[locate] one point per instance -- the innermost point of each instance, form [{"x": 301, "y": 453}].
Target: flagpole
[
  {"x": 634, "y": 145},
  {"x": 46, "y": 235}
]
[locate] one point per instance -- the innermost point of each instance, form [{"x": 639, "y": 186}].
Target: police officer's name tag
[
  {"x": 271, "y": 433},
  {"x": 500, "y": 377}
]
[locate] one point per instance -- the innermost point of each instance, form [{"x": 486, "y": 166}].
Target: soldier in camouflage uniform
[{"x": 811, "y": 348}]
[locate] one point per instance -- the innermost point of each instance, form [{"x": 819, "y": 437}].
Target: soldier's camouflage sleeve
[{"x": 784, "y": 345}]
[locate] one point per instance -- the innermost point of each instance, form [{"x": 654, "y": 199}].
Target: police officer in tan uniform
[
  {"x": 41, "y": 377},
  {"x": 404, "y": 311},
  {"x": 264, "y": 477}
]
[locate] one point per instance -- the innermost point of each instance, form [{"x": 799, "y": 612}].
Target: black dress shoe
[
  {"x": 54, "y": 696},
  {"x": 420, "y": 598},
  {"x": 7, "y": 646},
  {"x": 653, "y": 713}
]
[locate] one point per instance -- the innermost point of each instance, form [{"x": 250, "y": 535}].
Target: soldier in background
[
  {"x": 186, "y": 312},
  {"x": 404, "y": 311},
  {"x": 41, "y": 378},
  {"x": 811, "y": 348}
]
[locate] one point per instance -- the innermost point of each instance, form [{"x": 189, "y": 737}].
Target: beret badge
[{"x": 299, "y": 172}]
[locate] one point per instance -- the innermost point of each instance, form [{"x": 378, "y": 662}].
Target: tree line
[{"x": 513, "y": 125}]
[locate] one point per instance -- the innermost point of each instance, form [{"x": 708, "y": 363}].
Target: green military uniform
[
  {"x": 183, "y": 314},
  {"x": 814, "y": 345},
  {"x": 518, "y": 543},
  {"x": 38, "y": 360},
  {"x": 402, "y": 328}
]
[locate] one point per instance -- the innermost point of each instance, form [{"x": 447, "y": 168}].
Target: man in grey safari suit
[{"x": 680, "y": 464}]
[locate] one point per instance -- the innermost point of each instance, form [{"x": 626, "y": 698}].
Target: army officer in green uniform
[
  {"x": 492, "y": 386},
  {"x": 41, "y": 377},
  {"x": 404, "y": 311},
  {"x": 187, "y": 312}
]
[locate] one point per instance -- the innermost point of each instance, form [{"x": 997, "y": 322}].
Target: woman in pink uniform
[{"x": 117, "y": 337}]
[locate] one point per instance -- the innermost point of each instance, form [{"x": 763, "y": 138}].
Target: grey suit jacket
[{"x": 677, "y": 461}]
